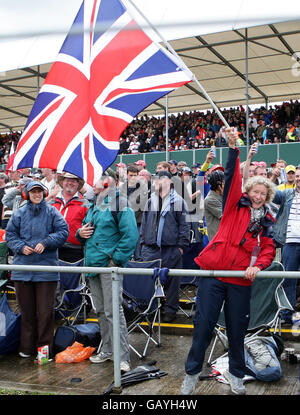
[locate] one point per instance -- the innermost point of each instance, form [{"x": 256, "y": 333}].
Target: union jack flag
[{"x": 100, "y": 81}]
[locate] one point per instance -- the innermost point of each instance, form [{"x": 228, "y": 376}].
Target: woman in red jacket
[{"x": 243, "y": 242}]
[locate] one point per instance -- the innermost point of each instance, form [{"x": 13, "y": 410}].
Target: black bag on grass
[
  {"x": 87, "y": 334},
  {"x": 10, "y": 324}
]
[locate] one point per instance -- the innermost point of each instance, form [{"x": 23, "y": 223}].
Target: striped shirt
[{"x": 293, "y": 225}]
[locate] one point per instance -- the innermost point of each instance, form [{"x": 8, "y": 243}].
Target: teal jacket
[{"x": 115, "y": 235}]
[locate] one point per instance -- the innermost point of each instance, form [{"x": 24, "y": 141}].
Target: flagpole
[
  {"x": 247, "y": 94},
  {"x": 183, "y": 67},
  {"x": 167, "y": 130}
]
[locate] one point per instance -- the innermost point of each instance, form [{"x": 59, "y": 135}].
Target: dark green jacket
[{"x": 115, "y": 235}]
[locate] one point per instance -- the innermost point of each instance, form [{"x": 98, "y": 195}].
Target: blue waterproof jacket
[{"x": 30, "y": 225}]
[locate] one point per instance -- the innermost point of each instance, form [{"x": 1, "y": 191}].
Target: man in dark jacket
[
  {"x": 164, "y": 233},
  {"x": 136, "y": 191}
]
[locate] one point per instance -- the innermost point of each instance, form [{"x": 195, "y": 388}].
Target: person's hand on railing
[{"x": 251, "y": 272}]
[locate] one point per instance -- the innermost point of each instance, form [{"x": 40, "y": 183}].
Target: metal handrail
[{"x": 118, "y": 271}]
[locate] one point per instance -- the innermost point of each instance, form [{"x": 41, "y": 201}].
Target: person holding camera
[
  {"x": 243, "y": 242},
  {"x": 109, "y": 234}
]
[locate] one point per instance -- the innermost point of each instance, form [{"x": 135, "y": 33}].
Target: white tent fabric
[
  {"x": 176, "y": 19},
  {"x": 209, "y": 38}
]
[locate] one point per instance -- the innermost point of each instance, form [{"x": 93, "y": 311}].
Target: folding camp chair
[
  {"x": 188, "y": 284},
  {"x": 268, "y": 299},
  {"x": 187, "y": 299},
  {"x": 73, "y": 298},
  {"x": 142, "y": 295}
]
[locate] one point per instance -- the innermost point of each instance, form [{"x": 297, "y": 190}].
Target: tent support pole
[
  {"x": 38, "y": 80},
  {"x": 247, "y": 87},
  {"x": 183, "y": 65},
  {"x": 167, "y": 130}
]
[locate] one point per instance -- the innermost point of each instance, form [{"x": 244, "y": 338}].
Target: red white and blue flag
[{"x": 100, "y": 81}]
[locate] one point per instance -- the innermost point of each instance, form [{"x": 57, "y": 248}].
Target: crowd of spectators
[
  {"x": 6, "y": 141},
  {"x": 197, "y": 129},
  {"x": 157, "y": 231}
]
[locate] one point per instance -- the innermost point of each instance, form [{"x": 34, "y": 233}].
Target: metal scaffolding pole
[
  {"x": 247, "y": 87},
  {"x": 167, "y": 130}
]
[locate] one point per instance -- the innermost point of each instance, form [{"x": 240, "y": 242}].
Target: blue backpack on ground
[
  {"x": 9, "y": 328},
  {"x": 261, "y": 358},
  {"x": 87, "y": 334}
]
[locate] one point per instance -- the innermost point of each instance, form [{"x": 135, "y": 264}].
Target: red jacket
[
  {"x": 232, "y": 246},
  {"x": 73, "y": 211}
]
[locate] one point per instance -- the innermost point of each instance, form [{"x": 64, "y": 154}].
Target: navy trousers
[
  {"x": 210, "y": 297},
  {"x": 291, "y": 262},
  {"x": 172, "y": 259}
]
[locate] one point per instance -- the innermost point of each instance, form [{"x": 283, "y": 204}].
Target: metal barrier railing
[{"x": 116, "y": 272}]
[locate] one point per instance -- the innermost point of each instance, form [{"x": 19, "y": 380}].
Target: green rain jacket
[{"x": 115, "y": 235}]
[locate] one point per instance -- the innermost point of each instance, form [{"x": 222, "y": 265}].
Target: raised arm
[
  {"x": 233, "y": 179},
  {"x": 251, "y": 153}
]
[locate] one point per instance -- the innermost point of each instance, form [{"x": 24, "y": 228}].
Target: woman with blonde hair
[{"x": 243, "y": 242}]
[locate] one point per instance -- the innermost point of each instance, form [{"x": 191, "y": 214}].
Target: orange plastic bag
[
  {"x": 84, "y": 354},
  {"x": 2, "y": 235},
  {"x": 74, "y": 354}
]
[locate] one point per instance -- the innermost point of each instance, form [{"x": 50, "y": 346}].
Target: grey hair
[
  {"x": 5, "y": 177},
  {"x": 270, "y": 186}
]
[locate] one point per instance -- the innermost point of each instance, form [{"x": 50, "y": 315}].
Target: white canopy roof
[{"x": 210, "y": 42}]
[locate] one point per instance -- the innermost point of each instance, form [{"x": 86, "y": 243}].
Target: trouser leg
[
  {"x": 291, "y": 262},
  {"x": 101, "y": 288},
  {"x": 25, "y": 294},
  {"x": 98, "y": 300},
  {"x": 210, "y": 296},
  {"x": 237, "y": 315},
  {"x": 172, "y": 259},
  {"x": 45, "y": 297}
]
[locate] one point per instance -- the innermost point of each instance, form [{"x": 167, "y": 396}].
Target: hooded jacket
[
  {"x": 115, "y": 233},
  {"x": 233, "y": 244},
  {"x": 30, "y": 225}
]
